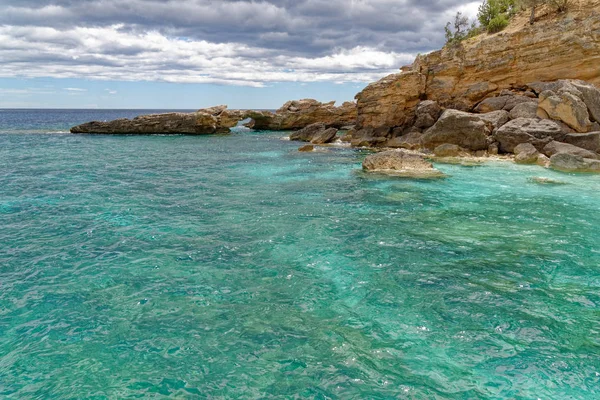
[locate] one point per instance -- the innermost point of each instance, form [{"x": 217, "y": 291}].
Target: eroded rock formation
[
  {"x": 293, "y": 115},
  {"x": 460, "y": 77}
]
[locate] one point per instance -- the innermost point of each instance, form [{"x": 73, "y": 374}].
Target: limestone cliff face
[{"x": 556, "y": 47}]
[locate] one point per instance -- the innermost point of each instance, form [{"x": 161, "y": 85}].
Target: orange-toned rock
[
  {"x": 562, "y": 46},
  {"x": 391, "y": 101}
]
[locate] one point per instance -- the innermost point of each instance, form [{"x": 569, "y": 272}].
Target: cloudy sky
[{"x": 196, "y": 53}]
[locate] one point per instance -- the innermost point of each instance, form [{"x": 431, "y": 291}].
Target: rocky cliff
[{"x": 557, "y": 46}]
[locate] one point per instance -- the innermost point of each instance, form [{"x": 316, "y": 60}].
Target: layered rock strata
[{"x": 460, "y": 77}]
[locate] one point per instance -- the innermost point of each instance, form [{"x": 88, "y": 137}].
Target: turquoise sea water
[{"x": 233, "y": 266}]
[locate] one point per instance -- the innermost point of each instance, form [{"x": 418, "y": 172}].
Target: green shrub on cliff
[
  {"x": 497, "y": 24},
  {"x": 493, "y": 15}
]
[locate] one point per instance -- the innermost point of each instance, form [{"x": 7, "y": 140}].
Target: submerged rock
[
  {"x": 306, "y": 148},
  {"x": 545, "y": 181},
  {"x": 401, "y": 163}
]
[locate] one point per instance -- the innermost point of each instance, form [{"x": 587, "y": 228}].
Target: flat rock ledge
[{"x": 401, "y": 163}]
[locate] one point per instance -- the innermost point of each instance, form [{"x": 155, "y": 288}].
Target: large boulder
[
  {"x": 590, "y": 95},
  {"x": 401, "y": 163},
  {"x": 555, "y": 147},
  {"x": 566, "y": 107},
  {"x": 589, "y": 141},
  {"x": 573, "y": 163},
  {"x": 411, "y": 140},
  {"x": 505, "y": 102},
  {"x": 466, "y": 130},
  {"x": 448, "y": 150},
  {"x": 427, "y": 114},
  {"x": 316, "y": 134},
  {"x": 370, "y": 137},
  {"x": 524, "y": 110},
  {"x": 526, "y": 153},
  {"x": 585, "y": 91},
  {"x": 527, "y": 130},
  {"x": 496, "y": 118}
]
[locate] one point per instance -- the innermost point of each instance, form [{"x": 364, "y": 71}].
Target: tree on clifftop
[
  {"x": 533, "y": 4},
  {"x": 559, "y": 5},
  {"x": 460, "y": 25}
]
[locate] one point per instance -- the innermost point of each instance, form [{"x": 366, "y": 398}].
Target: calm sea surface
[{"x": 235, "y": 267}]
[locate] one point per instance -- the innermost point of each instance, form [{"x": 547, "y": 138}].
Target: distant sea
[{"x": 235, "y": 267}]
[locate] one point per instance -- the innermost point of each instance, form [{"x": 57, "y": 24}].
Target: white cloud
[
  {"x": 109, "y": 53},
  {"x": 238, "y": 42}
]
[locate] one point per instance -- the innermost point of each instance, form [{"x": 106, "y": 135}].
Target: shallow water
[{"x": 236, "y": 267}]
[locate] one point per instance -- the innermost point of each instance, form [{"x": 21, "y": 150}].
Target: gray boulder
[
  {"x": 401, "y": 163},
  {"x": 524, "y": 110},
  {"x": 505, "y": 102},
  {"x": 315, "y": 133},
  {"x": 496, "y": 118},
  {"x": 370, "y": 137},
  {"x": 427, "y": 114},
  {"x": 589, "y": 141},
  {"x": 555, "y": 147},
  {"x": 411, "y": 140},
  {"x": 447, "y": 150},
  {"x": 527, "y": 130},
  {"x": 573, "y": 163},
  {"x": 526, "y": 153},
  {"x": 466, "y": 130}
]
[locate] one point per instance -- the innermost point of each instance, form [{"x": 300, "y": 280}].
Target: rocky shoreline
[
  {"x": 501, "y": 94},
  {"x": 552, "y": 124}
]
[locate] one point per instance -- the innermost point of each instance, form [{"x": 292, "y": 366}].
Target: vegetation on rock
[{"x": 494, "y": 16}]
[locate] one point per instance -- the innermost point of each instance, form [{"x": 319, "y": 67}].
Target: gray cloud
[{"x": 221, "y": 41}]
